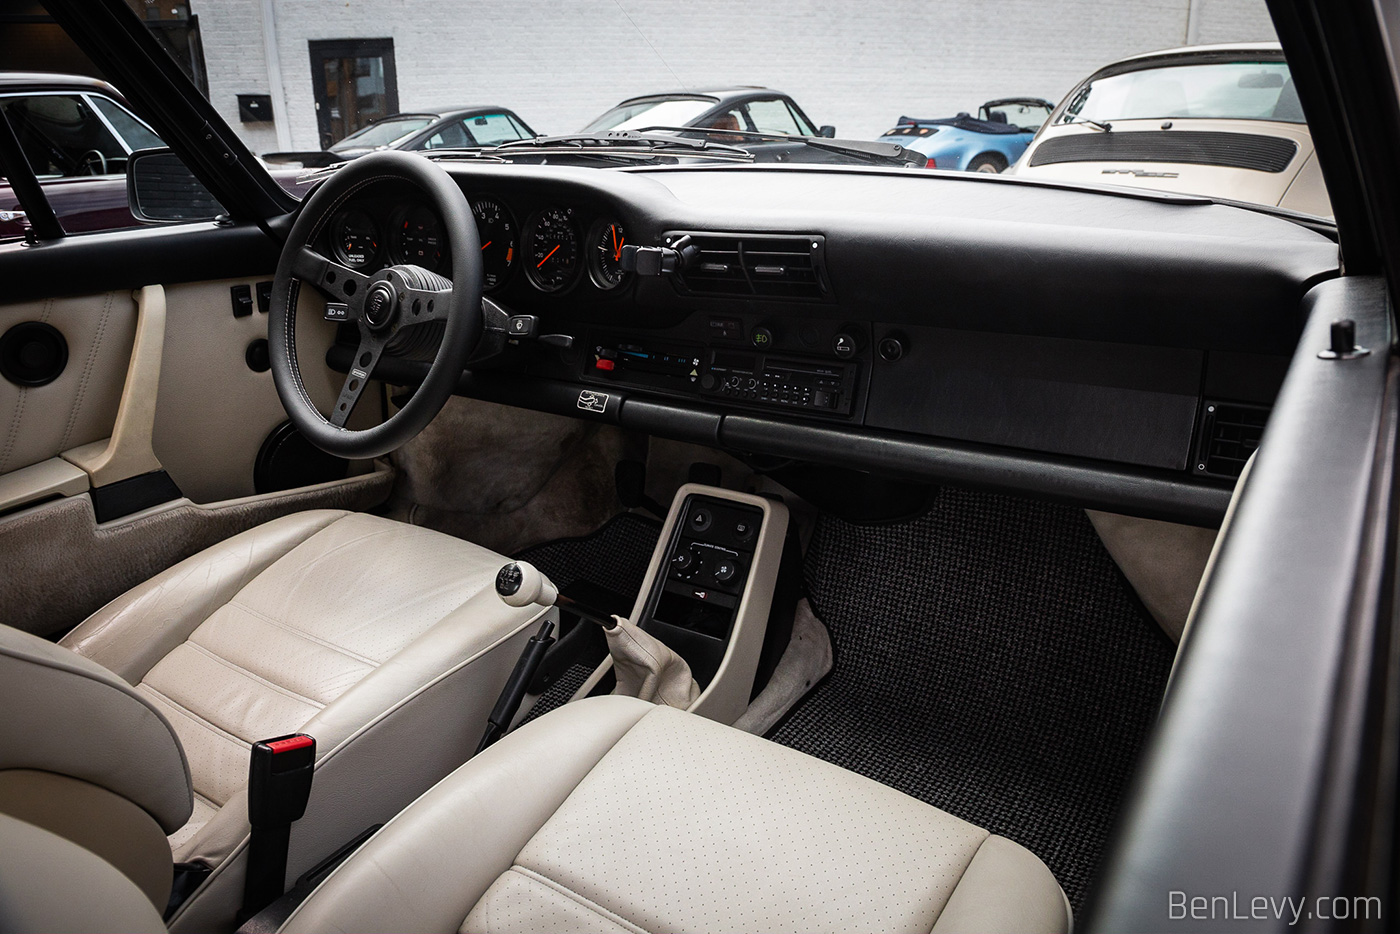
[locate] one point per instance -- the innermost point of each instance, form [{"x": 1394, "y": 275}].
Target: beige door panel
[
  {"x": 38, "y": 423},
  {"x": 213, "y": 411}
]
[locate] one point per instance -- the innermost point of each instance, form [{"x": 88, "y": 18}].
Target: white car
[{"x": 1216, "y": 120}]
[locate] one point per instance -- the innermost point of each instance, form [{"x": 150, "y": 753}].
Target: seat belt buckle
[{"x": 279, "y": 779}]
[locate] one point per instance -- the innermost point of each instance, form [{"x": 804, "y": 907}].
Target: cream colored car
[{"x": 1216, "y": 120}]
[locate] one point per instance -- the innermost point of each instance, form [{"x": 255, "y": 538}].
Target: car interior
[{"x": 516, "y": 547}]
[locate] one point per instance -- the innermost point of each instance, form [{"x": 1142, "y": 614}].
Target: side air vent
[
  {"x": 1190, "y": 147},
  {"x": 756, "y": 265},
  {"x": 1229, "y": 434}
]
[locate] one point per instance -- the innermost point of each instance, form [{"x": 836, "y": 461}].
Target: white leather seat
[
  {"x": 612, "y": 815},
  {"x": 384, "y": 641}
]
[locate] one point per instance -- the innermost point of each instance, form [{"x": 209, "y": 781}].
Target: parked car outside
[
  {"x": 441, "y": 128},
  {"x": 988, "y": 142},
  {"x": 1217, "y": 120},
  {"x": 745, "y": 108},
  {"x": 77, "y": 134}
]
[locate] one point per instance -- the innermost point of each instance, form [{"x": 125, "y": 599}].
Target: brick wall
[{"x": 858, "y": 65}]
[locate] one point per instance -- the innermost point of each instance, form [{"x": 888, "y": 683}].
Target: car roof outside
[
  {"x": 718, "y": 95},
  {"x": 51, "y": 81}
]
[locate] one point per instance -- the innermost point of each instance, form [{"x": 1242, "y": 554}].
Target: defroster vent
[
  {"x": 1230, "y": 433},
  {"x": 781, "y": 266}
]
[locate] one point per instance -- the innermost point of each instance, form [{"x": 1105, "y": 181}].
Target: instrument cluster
[{"x": 556, "y": 249}]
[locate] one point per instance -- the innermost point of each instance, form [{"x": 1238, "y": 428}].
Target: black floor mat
[
  {"x": 990, "y": 660},
  {"x": 614, "y": 558}
]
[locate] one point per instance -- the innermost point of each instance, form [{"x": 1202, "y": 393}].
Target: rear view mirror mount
[{"x": 160, "y": 189}]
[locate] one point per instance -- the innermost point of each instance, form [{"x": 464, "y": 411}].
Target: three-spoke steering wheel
[{"x": 381, "y": 306}]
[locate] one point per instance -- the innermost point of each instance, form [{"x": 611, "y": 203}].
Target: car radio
[{"x": 753, "y": 378}]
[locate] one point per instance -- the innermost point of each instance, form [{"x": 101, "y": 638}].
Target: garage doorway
[{"x": 353, "y": 83}]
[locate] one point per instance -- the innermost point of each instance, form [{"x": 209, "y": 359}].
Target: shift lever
[{"x": 645, "y": 667}]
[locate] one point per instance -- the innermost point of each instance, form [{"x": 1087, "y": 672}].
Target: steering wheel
[
  {"x": 87, "y": 163},
  {"x": 381, "y": 306}
]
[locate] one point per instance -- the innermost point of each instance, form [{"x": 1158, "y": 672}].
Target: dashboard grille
[
  {"x": 1233, "y": 150},
  {"x": 772, "y": 266},
  {"x": 1230, "y": 433}
]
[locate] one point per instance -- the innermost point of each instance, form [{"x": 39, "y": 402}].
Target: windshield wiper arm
[
  {"x": 1085, "y": 121},
  {"x": 614, "y": 142},
  {"x": 873, "y": 151}
]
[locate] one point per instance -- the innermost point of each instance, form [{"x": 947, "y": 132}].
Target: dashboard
[{"x": 1116, "y": 350}]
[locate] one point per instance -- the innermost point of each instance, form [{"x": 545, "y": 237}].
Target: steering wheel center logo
[{"x": 591, "y": 401}]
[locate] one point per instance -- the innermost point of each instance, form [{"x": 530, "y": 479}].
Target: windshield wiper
[
  {"x": 870, "y": 151},
  {"x": 1085, "y": 121},
  {"x": 618, "y": 144}
]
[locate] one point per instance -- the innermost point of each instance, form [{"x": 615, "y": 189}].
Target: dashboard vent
[
  {"x": 1230, "y": 433},
  {"x": 774, "y": 266}
]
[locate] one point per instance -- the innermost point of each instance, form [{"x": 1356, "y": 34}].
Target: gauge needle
[
  {"x": 617, "y": 249},
  {"x": 548, "y": 255},
  {"x": 487, "y": 243}
]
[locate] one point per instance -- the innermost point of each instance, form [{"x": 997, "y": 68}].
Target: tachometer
[
  {"x": 497, "y": 230},
  {"x": 552, "y": 250},
  {"x": 418, "y": 239},
  {"x": 605, "y": 254},
  {"x": 355, "y": 238}
]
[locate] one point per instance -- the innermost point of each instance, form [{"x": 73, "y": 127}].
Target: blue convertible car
[{"x": 989, "y": 142}]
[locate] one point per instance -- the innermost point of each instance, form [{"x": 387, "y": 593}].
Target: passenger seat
[{"x": 614, "y": 815}]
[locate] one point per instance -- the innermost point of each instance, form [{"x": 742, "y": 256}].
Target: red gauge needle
[
  {"x": 487, "y": 243},
  {"x": 617, "y": 247},
  {"x": 548, "y": 255}
]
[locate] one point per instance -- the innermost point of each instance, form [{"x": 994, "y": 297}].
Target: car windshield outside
[
  {"x": 1225, "y": 91},
  {"x": 384, "y": 133},
  {"x": 650, "y": 113}
]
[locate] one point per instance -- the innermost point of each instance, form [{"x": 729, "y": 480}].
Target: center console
[{"x": 709, "y": 594}]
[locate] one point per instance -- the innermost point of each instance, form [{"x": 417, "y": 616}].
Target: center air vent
[
  {"x": 757, "y": 265},
  {"x": 1230, "y": 433}
]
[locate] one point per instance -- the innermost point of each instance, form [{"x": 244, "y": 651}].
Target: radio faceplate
[{"x": 780, "y": 381}]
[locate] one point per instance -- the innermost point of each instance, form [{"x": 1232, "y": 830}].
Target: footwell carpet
[
  {"x": 614, "y": 558},
  {"x": 990, "y": 660}
]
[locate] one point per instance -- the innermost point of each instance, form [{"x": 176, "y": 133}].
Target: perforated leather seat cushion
[{"x": 612, "y": 815}]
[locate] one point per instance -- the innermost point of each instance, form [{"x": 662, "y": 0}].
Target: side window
[
  {"x": 490, "y": 129},
  {"x": 133, "y": 132},
  {"x": 773, "y": 116},
  {"x": 63, "y": 137},
  {"x": 451, "y": 136}
]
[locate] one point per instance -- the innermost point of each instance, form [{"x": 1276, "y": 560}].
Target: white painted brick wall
[{"x": 858, "y": 65}]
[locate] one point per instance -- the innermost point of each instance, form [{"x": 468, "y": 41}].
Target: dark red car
[{"x": 77, "y": 133}]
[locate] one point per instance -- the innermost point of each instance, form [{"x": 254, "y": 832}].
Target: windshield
[
  {"x": 383, "y": 133},
  {"x": 1230, "y": 91},
  {"x": 650, "y": 113}
]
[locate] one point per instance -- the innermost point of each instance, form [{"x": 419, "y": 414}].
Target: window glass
[
  {"x": 490, "y": 129},
  {"x": 383, "y": 133},
  {"x": 773, "y": 116},
  {"x": 451, "y": 136},
  {"x": 62, "y": 136},
  {"x": 133, "y": 132},
  {"x": 1226, "y": 91},
  {"x": 650, "y": 113}
]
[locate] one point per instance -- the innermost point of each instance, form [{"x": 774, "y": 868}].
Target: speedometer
[
  {"x": 497, "y": 230},
  {"x": 552, "y": 250}
]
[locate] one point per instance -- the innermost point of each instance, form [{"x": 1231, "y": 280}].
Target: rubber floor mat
[{"x": 991, "y": 661}]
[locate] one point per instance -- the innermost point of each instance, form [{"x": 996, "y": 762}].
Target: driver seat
[{"x": 384, "y": 641}]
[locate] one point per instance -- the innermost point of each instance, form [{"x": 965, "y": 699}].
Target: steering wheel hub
[{"x": 380, "y": 303}]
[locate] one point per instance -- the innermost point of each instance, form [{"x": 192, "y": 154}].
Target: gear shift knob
[{"x": 521, "y": 584}]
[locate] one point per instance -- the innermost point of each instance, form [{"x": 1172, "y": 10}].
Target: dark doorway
[{"x": 354, "y": 83}]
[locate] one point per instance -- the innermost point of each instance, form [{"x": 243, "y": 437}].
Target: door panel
[
  {"x": 79, "y": 407},
  {"x": 214, "y": 411}
]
